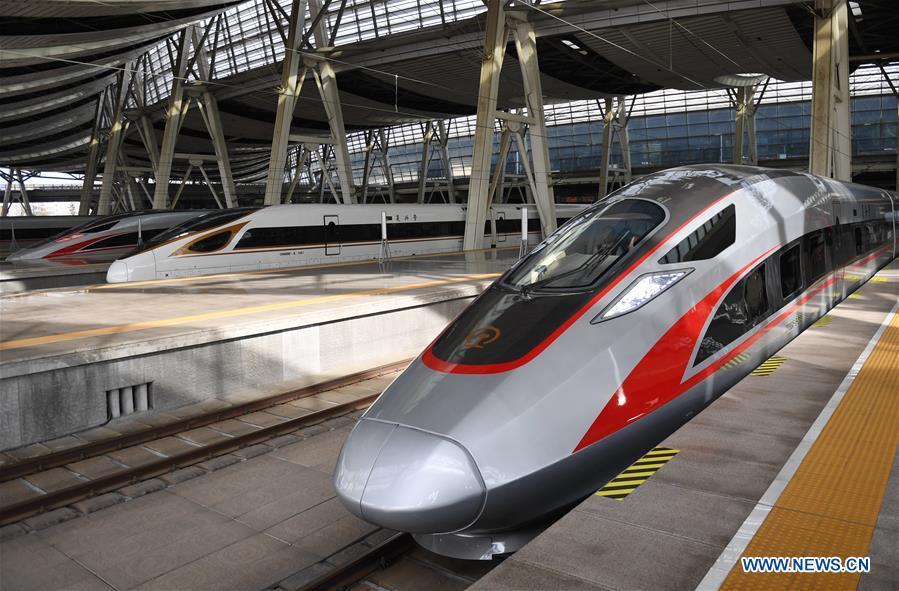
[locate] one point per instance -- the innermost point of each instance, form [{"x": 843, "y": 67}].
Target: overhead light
[
  {"x": 641, "y": 292},
  {"x": 571, "y": 44},
  {"x": 856, "y": 9},
  {"x": 741, "y": 79}
]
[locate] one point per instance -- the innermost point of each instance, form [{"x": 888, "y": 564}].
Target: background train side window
[
  {"x": 707, "y": 241},
  {"x": 743, "y": 308},
  {"x": 790, "y": 272},
  {"x": 211, "y": 243}
]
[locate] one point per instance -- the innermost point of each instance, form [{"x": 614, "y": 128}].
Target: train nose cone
[
  {"x": 117, "y": 272},
  {"x": 408, "y": 480}
]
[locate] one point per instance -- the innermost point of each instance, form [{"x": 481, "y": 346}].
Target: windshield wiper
[{"x": 595, "y": 260}]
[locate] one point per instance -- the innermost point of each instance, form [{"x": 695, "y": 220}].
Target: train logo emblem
[{"x": 482, "y": 336}]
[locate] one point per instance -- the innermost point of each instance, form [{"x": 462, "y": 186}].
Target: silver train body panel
[{"x": 498, "y": 448}]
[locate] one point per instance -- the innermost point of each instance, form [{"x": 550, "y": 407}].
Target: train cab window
[
  {"x": 790, "y": 273},
  {"x": 707, "y": 241},
  {"x": 577, "y": 255},
  {"x": 815, "y": 256},
  {"x": 211, "y": 243},
  {"x": 744, "y": 307}
]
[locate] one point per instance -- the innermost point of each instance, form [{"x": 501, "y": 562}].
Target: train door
[
  {"x": 500, "y": 226},
  {"x": 332, "y": 235}
]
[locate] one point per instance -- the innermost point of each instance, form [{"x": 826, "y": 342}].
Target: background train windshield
[
  {"x": 201, "y": 222},
  {"x": 587, "y": 246}
]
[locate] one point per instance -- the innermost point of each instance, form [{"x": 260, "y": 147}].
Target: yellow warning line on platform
[
  {"x": 638, "y": 473},
  {"x": 178, "y": 320},
  {"x": 767, "y": 368},
  {"x": 823, "y": 322},
  {"x": 831, "y": 505}
]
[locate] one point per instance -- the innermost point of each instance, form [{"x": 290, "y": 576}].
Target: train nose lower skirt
[{"x": 408, "y": 480}]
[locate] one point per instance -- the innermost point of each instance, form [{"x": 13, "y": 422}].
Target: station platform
[
  {"x": 797, "y": 460},
  {"x": 65, "y": 354},
  {"x": 24, "y": 277}
]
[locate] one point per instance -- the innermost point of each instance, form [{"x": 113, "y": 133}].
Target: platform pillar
[
  {"x": 174, "y": 115},
  {"x": 93, "y": 158},
  {"x": 526, "y": 48},
  {"x": 535, "y": 160},
  {"x": 830, "y": 153},
  {"x": 118, "y": 126},
  {"x": 292, "y": 77},
  {"x": 209, "y": 109}
]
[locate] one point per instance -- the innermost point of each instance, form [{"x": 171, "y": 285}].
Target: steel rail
[
  {"x": 357, "y": 569},
  {"x": 18, "y": 511},
  {"x": 66, "y": 456}
]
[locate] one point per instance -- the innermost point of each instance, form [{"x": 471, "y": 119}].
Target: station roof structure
[{"x": 397, "y": 61}]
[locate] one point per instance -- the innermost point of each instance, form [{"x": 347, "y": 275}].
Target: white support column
[
  {"x": 830, "y": 153},
  {"x": 93, "y": 158},
  {"x": 26, "y": 204},
  {"x": 117, "y": 130},
  {"x": 292, "y": 77},
  {"x": 526, "y": 47},
  {"x": 443, "y": 132},
  {"x": 624, "y": 140},
  {"x": 326, "y": 79},
  {"x": 608, "y": 116},
  {"x": 7, "y": 194},
  {"x": 491, "y": 66},
  {"x": 744, "y": 124},
  {"x": 615, "y": 120},
  {"x": 174, "y": 115},
  {"x": 427, "y": 134},
  {"x": 209, "y": 107}
]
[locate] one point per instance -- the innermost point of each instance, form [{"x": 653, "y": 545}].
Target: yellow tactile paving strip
[{"x": 831, "y": 505}]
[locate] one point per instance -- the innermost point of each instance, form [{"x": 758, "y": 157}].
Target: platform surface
[
  {"x": 837, "y": 496},
  {"x": 50, "y": 329}
]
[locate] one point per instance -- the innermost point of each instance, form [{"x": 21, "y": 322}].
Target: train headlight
[{"x": 640, "y": 292}]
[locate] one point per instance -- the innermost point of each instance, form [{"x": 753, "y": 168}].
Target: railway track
[
  {"x": 186, "y": 453},
  {"x": 387, "y": 561}
]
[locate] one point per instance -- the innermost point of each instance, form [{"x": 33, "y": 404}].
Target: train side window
[
  {"x": 211, "y": 243},
  {"x": 707, "y": 241},
  {"x": 790, "y": 273},
  {"x": 331, "y": 233},
  {"x": 816, "y": 262},
  {"x": 743, "y": 308}
]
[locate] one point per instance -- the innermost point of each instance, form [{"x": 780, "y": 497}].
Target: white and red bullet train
[
  {"x": 102, "y": 239},
  {"x": 615, "y": 331},
  {"x": 281, "y": 236}
]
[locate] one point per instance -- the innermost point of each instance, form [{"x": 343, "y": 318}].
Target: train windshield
[
  {"x": 197, "y": 224},
  {"x": 92, "y": 227},
  {"x": 578, "y": 254}
]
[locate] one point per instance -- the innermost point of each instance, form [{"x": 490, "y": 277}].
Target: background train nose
[
  {"x": 117, "y": 272},
  {"x": 408, "y": 480}
]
